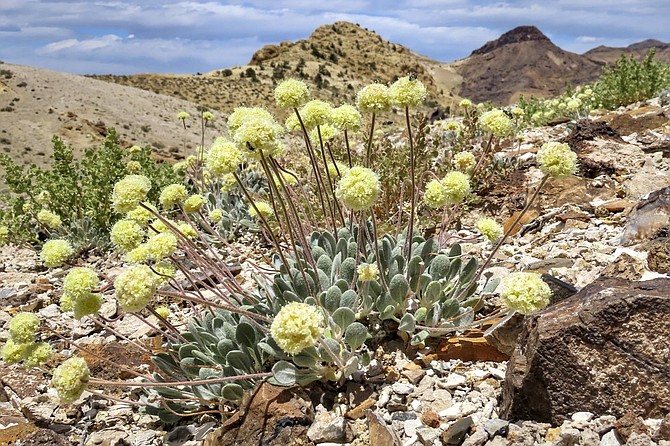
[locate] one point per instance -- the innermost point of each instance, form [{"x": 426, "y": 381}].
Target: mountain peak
[{"x": 519, "y": 34}]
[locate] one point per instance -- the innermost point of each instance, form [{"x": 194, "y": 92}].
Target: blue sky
[{"x": 125, "y": 37}]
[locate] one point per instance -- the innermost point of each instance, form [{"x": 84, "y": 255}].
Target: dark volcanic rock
[{"x": 605, "y": 350}]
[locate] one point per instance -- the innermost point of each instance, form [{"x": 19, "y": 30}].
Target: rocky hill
[
  {"x": 37, "y": 104},
  {"x": 522, "y": 61},
  {"x": 638, "y": 50},
  {"x": 337, "y": 59}
]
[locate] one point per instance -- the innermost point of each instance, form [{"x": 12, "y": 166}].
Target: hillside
[
  {"x": 37, "y": 104},
  {"x": 522, "y": 61},
  {"x": 338, "y": 59},
  {"x": 608, "y": 54}
]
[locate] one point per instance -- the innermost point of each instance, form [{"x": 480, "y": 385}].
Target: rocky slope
[
  {"x": 638, "y": 50},
  {"x": 522, "y": 61},
  {"x": 337, "y": 60},
  {"x": 36, "y": 104}
]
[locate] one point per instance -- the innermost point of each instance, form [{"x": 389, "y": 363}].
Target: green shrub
[
  {"x": 631, "y": 81},
  {"x": 77, "y": 191}
]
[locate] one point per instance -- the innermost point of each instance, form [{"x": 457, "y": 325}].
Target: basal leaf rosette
[
  {"x": 297, "y": 326},
  {"x": 358, "y": 188}
]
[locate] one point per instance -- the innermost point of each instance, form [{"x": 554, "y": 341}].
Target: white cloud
[{"x": 192, "y": 35}]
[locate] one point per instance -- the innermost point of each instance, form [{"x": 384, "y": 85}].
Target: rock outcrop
[{"x": 604, "y": 350}]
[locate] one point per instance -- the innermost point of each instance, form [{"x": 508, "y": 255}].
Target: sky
[{"x": 166, "y": 36}]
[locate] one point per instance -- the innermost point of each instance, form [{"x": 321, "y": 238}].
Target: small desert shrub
[
  {"x": 78, "y": 192},
  {"x": 631, "y": 81}
]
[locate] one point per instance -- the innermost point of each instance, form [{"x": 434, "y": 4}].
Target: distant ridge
[
  {"x": 609, "y": 55},
  {"x": 516, "y": 35}
]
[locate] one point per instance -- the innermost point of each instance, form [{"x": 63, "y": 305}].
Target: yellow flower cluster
[
  {"x": 373, "y": 98},
  {"x": 316, "y": 113},
  {"x": 297, "y": 326},
  {"x": 264, "y": 208},
  {"x": 207, "y": 116},
  {"x": 465, "y": 103},
  {"x": 70, "y": 379},
  {"x": 557, "y": 159},
  {"x": 129, "y": 191},
  {"x": 216, "y": 215},
  {"x": 489, "y": 228},
  {"x": 4, "y": 235},
  {"x": 133, "y": 166},
  {"x": 368, "y": 272},
  {"x": 359, "y": 188},
  {"x": 346, "y": 117},
  {"x": 141, "y": 214},
  {"x": 223, "y": 158},
  {"x": 327, "y": 131},
  {"x": 291, "y": 93},
  {"x": 464, "y": 161},
  {"x": 55, "y": 252},
  {"x": 161, "y": 245},
  {"x": 172, "y": 195},
  {"x": 135, "y": 287},
  {"x": 497, "y": 123},
  {"x": 49, "y": 219},
  {"x": 525, "y": 292},
  {"x": 451, "y": 189},
  {"x": 259, "y": 135},
  {"x": 407, "y": 92},
  {"x": 194, "y": 203},
  {"x": 21, "y": 345},
  {"x": 337, "y": 170},
  {"x": 183, "y": 115},
  {"x": 77, "y": 292},
  {"x": 126, "y": 234}
]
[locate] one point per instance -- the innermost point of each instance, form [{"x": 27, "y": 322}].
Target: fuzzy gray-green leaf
[
  {"x": 407, "y": 323},
  {"x": 355, "y": 335},
  {"x": 399, "y": 287},
  {"x": 343, "y": 317},
  {"x": 284, "y": 374},
  {"x": 232, "y": 392},
  {"x": 332, "y": 300}
]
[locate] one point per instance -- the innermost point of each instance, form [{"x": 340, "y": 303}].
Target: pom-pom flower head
[
  {"x": 407, "y": 92},
  {"x": 183, "y": 115},
  {"x": 80, "y": 281},
  {"x": 315, "y": 113},
  {"x": 161, "y": 245},
  {"x": 373, "y": 98},
  {"x": 359, "y": 188},
  {"x": 194, "y": 203},
  {"x": 435, "y": 195},
  {"x": 243, "y": 114},
  {"x": 129, "y": 191},
  {"x": 173, "y": 195},
  {"x": 457, "y": 185},
  {"x": 465, "y": 103},
  {"x": 556, "y": 159},
  {"x": 126, "y": 234},
  {"x": 216, "y": 215},
  {"x": 224, "y": 157},
  {"x": 368, "y": 272},
  {"x": 49, "y": 219},
  {"x": 297, "y": 326},
  {"x": 489, "y": 228},
  {"x": 346, "y": 117},
  {"x": 525, "y": 292},
  {"x": 258, "y": 137},
  {"x": 291, "y": 93},
  {"x": 497, "y": 123},
  {"x": 55, "y": 252},
  {"x": 464, "y": 161},
  {"x": 37, "y": 354},
  {"x": 86, "y": 304},
  {"x": 13, "y": 352},
  {"x": 22, "y": 328},
  {"x": 207, "y": 116},
  {"x": 70, "y": 379},
  {"x": 263, "y": 207},
  {"x": 135, "y": 287}
]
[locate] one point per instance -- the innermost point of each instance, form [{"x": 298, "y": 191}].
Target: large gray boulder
[{"x": 605, "y": 350}]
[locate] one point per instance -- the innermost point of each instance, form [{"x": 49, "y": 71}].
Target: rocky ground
[{"x": 457, "y": 391}]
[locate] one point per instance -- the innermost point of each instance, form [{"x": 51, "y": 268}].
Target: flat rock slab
[{"x": 605, "y": 350}]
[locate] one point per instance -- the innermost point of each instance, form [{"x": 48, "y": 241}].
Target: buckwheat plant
[{"x": 335, "y": 286}]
